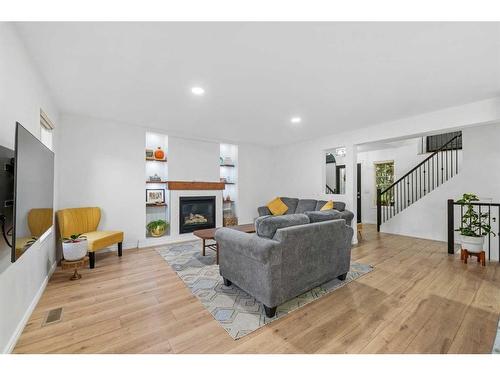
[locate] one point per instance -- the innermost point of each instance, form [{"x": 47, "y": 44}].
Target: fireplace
[{"x": 196, "y": 213}]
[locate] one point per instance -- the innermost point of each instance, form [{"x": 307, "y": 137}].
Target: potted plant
[
  {"x": 474, "y": 226},
  {"x": 74, "y": 247},
  {"x": 157, "y": 228}
]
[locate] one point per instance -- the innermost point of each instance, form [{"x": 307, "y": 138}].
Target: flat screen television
[
  {"x": 6, "y": 205},
  {"x": 33, "y": 191}
]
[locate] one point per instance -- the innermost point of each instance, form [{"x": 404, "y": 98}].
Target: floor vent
[{"x": 53, "y": 316}]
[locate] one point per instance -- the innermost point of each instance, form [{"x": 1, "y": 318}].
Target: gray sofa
[
  {"x": 287, "y": 256},
  {"x": 304, "y": 206}
]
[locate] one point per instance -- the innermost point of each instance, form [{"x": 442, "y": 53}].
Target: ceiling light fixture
[
  {"x": 296, "y": 120},
  {"x": 198, "y": 91}
]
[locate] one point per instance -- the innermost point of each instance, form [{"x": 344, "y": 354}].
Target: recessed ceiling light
[
  {"x": 295, "y": 120},
  {"x": 198, "y": 90}
]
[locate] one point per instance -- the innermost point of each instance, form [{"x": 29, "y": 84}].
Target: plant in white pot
[
  {"x": 474, "y": 226},
  {"x": 74, "y": 247}
]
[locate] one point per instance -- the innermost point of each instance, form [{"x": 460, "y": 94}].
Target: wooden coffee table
[{"x": 209, "y": 235}]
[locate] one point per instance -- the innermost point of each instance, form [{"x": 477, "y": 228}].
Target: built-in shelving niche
[
  {"x": 160, "y": 168},
  {"x": 229, "y": 173}
]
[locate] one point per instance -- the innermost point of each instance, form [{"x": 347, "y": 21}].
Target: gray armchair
[{"x": 286, "y": 257}]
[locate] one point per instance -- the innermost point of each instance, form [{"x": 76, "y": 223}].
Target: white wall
[
  {"x": 102, "y": 164},
  {"x": 479, "y": 174},
  {"x": 255, "y": 180},
  {"x": 300, "y": 167},
  {"x": 193, "y": 160},
  {"x": 22, "y": 94}
]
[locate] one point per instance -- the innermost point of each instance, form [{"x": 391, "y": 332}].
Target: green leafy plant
[
  {"x": 474, "y": 224},
  {"x": 74, "y": 238},
  {"x": 157, "y": 227}
]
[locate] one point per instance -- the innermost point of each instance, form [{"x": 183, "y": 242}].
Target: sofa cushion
[
  {"x": 306, "y": 205},
  {"x": 339, "y": 206},
  {"x": 291, "y": 204},
  {"x": 317, "y": 216},
  {"x": 266, "y": 226},
  {"x": 277, "y": 207}
]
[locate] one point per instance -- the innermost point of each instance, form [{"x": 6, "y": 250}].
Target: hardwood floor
[{"x": 417, "y": 300}]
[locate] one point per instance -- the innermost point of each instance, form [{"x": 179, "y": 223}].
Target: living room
[{"x": 193, "y": 178}]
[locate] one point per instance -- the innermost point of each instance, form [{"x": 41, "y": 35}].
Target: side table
[{"x": 74, "y": 265}]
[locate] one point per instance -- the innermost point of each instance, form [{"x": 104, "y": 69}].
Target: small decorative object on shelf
[
  {"x": 74, "y": 247},
  {"x": 157, "y": 228},
  {"x": 150, "y": 154},
  {"x": 223, "y": 179},
  {"x": 155, "y": 196},
  {"x": 155, "y": 178},
  {"x": 159, "y": 154},
  {"x": 227, "y": 161},
  {"x": 221, "y": 160},
  {"x": 227, "y": 199},
  {"x": 229, "y": 221}
]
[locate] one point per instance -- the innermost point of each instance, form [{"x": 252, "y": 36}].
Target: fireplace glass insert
[{"x": 196, "y": 213}]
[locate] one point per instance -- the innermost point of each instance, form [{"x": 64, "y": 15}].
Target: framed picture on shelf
[
  {"x": 155, "y": 196},
  {"x": 150, "y": 154}
]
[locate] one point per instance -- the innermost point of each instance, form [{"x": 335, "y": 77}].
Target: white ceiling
[{"x": 336, "y": 76}]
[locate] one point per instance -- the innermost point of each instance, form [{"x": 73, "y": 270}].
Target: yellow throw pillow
[
  {"x": 277, "y": 207},
  {"x": 328, "y": 206}
]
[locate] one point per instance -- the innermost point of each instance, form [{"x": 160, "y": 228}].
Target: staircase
[{"x": 428, "y": 175}]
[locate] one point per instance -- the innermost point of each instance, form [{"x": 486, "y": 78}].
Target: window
[
  {"x": 435, "y": 142},
  {"x": 384, "y": 177},
  {"x": 46, "y": 127}
]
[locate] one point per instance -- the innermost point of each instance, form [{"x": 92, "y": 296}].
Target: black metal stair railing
[
  {"x": 429, "y": 174},
  {"x": 329, "y": 190}
]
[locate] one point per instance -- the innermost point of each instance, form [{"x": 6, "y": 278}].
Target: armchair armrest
[{"x": 250, "y": 245}]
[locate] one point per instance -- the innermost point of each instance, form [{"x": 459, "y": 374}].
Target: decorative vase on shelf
[{"x": 159, "y": 154}]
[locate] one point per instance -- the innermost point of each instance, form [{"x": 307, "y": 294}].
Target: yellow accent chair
[{"x": 85, "y": 220}]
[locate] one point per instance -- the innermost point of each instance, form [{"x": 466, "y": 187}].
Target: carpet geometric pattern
[
  {"x": 236, "y": 311},
  {"x": 496, "y": 344}
]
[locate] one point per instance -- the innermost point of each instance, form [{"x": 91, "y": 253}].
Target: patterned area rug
[
  {"x": 496, "y": 344},
  {"x": 236, "y": 311}
]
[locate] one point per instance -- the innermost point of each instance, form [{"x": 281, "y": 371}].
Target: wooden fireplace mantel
[{"x": 195, "y": 185}]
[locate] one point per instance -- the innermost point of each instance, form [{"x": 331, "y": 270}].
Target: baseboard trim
[{"x": 20, "y": 327}]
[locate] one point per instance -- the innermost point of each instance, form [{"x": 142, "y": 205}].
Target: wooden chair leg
[
  {"x": 120, "y": 246},
  {"x": 483, "y": 259},
  {"x": 203, "y": 248}
]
